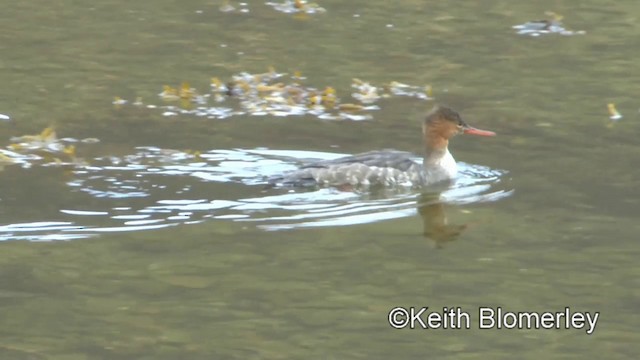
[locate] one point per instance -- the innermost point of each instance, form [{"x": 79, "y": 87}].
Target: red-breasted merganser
[{"x": 391, "y": 167}]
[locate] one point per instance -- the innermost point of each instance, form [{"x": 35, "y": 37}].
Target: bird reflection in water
[
  {"x": 432, "y": 208},
  {"x": 433, "y": 211}
]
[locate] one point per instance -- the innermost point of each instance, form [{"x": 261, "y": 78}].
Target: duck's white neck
[{"x": 439, "y": 165}]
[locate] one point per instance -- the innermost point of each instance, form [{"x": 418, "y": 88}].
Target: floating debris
[
  {"x": 351, "y": 107},
  {"x": 277, "y": 94},
  {"x": 297, "y": 75},
  {"x": 226, "y": 7},
  {"x": 547, "y": 26},
  {"x": 43, "y": 149},
  {"x": 399, "y": 89},
  {"x": 185, "y": 94},
  {"x": 4, "y": 117},
  {"x": 46, "y": 140},
  {"x": 117, "y": 101},
  {"x": 365, "y": 92},
  {"x": 151, "y": 155},
  {"x": 368, "y": 94},
  {"x": 355, "y": 117},
  {"x": 613, "y": 113},
  {"x": 6, "y": 159},
  {"x": 297, "y": 6}
]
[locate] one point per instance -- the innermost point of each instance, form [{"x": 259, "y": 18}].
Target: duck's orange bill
[{"x": 474, "y": 131}]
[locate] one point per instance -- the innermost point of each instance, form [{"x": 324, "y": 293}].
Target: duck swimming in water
[{"x": 391, "y": 167}]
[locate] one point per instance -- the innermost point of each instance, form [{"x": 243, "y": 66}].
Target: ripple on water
[{"x": 165, "y": 188}]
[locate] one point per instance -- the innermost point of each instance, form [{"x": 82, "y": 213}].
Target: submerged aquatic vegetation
[
  {"x": 277, "y": 94},
  {"x": 551, "y": 25}
]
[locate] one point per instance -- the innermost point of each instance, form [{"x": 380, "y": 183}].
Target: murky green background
[{"x": 227, "y": 290}]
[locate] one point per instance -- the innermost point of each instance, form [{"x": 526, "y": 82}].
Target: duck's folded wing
[
  {"x": 383, "y": 166},
  {"x": 400, "y": 160}
]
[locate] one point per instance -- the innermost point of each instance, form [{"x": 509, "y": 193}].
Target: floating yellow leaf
[
  {"x": 428, "y": 90},
  {"x": 5, "y": 160},
  {"x": 216, "y": 83},
  {"x": 168, "y": 93},
  {"x": 329, "y": 91},
  {"x": 265, "y": 88},
  {"x": 186, "y": 92},
  {"x": 117, "y": 101},
  {"x": 350, "y": 107},
  {"x": 554, "y": 16},
  {"x": 70, "y": 150},
  {"x": 613, "y": 113},
  {"x": 48, "y": 134},
  {"x": 226, "y": 7}
]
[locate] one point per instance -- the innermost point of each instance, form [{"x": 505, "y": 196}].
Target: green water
[{"x": 231, "y": 290}]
